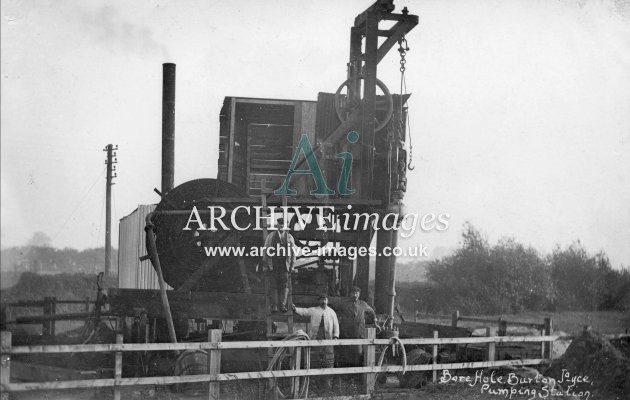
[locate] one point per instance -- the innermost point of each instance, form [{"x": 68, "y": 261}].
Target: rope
[{"x": 282, "y": 353}]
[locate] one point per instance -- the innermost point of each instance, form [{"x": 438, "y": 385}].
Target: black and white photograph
[{"x": 317, "y": 199}]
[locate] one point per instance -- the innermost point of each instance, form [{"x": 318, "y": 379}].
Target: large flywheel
[{"x": 183, "y": 253}]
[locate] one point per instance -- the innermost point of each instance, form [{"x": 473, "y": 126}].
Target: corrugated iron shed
[{"x": 133, "y": 273}]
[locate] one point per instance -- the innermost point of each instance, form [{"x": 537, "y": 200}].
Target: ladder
[{"x": 271, "y": 391}]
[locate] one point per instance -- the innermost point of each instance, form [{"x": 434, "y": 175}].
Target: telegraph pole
[{"x": 111, "y": 174}]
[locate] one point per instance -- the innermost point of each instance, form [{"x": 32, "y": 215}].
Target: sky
[{"x": 519, "y": 114}]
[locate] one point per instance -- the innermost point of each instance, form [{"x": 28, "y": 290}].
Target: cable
[
  {"x": 284, "y": 352},
  {"x": 403, "y": 85},
  {"x": 80, "y": 202},
  {"x": 100, "y": 221},
  {"x": 393, "y": 341}
]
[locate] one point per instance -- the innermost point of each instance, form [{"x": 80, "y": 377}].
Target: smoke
[{"x": 108, "y": 27}]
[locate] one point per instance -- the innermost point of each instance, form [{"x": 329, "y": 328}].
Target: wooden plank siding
[{"x": 257, "y": 141}]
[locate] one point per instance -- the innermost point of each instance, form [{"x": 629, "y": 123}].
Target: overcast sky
[{"x": 520, "y": 113}]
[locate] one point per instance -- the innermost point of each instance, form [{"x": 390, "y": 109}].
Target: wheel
[{"x": 345, "y": 105}]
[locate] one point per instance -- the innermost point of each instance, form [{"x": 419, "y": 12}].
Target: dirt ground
[{"x": 431, "y": 391}]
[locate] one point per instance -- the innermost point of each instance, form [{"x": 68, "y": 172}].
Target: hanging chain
[{"x": 403, "y": 48}]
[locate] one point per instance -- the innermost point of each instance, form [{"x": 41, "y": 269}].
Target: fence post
[
  {"x": 369, "y": 360},
  {"x": 5, "y": 374},
  {"x": 118, "y": 368},
  {"x": 491, "y": 331},
  {"x": 547, "y": 353},
  {"x": 46, "y": 322},
  {"x": 502, "y": 327},
  {"x": 295, "y": 383},
  {"x": 214, "y": 364},
  {"x": 455, "y": 318},
  {"x": 435, "y": 356},
  {"x": 53, "y": 312}
]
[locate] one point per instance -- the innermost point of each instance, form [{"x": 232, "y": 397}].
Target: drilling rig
[{"x": 327, "y": 165}]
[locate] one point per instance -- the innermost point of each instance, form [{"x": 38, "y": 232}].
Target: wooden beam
[
  {"x": 214, "y": 364},
  {"x": 5, "y": 360},
  {"x": 118, "y": 369},
  {"x": 230, "y": 149},
  {"x": 398, "y": 31},
  {"x": 548, "y": 346},
  {"x": 105, "y": 348},
  {"x": 168, "y": 380},
  {"x": 369, "y": 361},
  {"x": 435, "y": 356},
  {"x": 368, "y": 105},
  {"x": 381, "y": 7},
  {"x": 492, "y": 349}
]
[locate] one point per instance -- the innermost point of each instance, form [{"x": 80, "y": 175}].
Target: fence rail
[
  {"x": 502, "y": 324},
  {"x": 113, "y": 347},
  {"x": 49, "y": 313},
  {"x": 215, "y": 345}
]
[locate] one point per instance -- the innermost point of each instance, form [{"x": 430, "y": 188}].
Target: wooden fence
[
  {"x": 215, "y": 345},
  {"x": 545, "y": 327},
  {"x": 49, "y": 313}
]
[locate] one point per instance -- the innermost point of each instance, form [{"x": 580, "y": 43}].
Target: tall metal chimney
[{"x": 168, "y": 127}]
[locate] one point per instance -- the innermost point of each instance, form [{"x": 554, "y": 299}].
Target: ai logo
[{"x": 313, "y": 169}]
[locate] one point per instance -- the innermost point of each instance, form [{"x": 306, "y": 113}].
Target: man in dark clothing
[
  {"x": 353, "y": 314},
  {"x": 279, "y": 258}
]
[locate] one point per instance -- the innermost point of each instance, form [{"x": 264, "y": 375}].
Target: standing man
[
  {"x": 324, "y": 325},
  {"x": 279, "y": 257},
  {"x": 353, "y": 314}
]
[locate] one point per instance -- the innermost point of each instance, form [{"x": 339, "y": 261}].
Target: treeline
[
  {"x": 509, "y": 278},
  {"x": 32, "y": 286},
  {"x": 49, "y": 260}
]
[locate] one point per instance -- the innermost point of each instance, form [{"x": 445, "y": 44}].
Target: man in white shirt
[{"x": 324, "y": 325}]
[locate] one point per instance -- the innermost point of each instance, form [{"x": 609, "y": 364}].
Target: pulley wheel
[{"x": 344, "y": 105}]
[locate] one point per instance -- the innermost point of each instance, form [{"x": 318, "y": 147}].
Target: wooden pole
[
  {"x": 435, "y": 356},
  {"x": 491, "y": 331},
  {"x": 5, "y": 371},
  {"x": 45, "y": 313},
  {"x": 295, "y": 383},
  {"x": 111, "y": 174},
  {"x": 502, "y": 327},
  {"x": 214, "y": 364},
  {"x": 118, "y": 368},
  {"x": 158, "y": 269},
  {"x": 369, "y": 360},
  {"x": 548, "y": 346},
  {"x": 53, "y": 312},
  {"x": 454, "y": 318}
]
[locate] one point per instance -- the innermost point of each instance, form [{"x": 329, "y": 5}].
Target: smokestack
[{"x": 168, "y": 126}]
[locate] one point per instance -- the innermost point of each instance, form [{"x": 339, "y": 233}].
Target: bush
[{"x": 509, "y": 278}]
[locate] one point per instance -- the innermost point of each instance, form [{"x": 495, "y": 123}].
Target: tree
[
  {"x": 39, "y": 239},
  {"x": 479, "y": 278}
]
